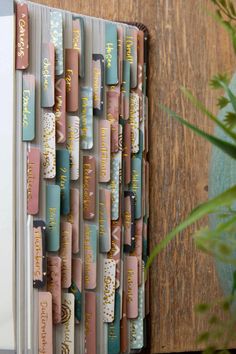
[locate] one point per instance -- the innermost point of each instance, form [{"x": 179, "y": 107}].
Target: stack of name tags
[{"x": 82, "y": 103}]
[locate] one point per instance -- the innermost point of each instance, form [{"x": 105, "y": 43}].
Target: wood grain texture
[{"x": 186, "y": 48}]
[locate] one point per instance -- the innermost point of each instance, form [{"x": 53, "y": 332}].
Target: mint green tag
[
  {"x": 111, "y": 63},
  {"x": 63, "y": 178},
  {"x": 136, "y": 185},
  {"x": 28, "y": 108},
  {"x": 114, "y": 329},
  {"x": 52, "y": 217},
  {"x": 131, "y": 53}
]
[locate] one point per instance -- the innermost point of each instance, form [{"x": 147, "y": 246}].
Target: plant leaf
[
  {"x": 198, "y": 104},
  {"x": 225, "y": 146},
  {"x": 218, "y": 80},
  {"x": 230, "y": 120},
  {"x": 222, "y": 102},
  {"x": 222, "y": 200},
  {"x": 222, "y": 81}
]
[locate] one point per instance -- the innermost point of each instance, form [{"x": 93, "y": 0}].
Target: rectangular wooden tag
[
  {"x": 63, "y": 178},
  {"x": 129, "y": 230},
  {"x": 54, "y": 285},
  {"x": 109, "y": 290},
  {"x": 72, "y": 79},
  {"x": 90, "y": 256},
  {"x": 33, "y": 178},
  {"x": 136, "y": 185},
  {"x": 78, "y": 41},
  {"x": 56, "y": 37},
  {"x": 89, "y": 187},
  {"x": 114, "y": 185},
  {"x": 104, "y": 220},
  {"x": 28, "y": 108},
  {"x": 113, "y": 101},
  {"x": 22, "y": 36},
  {"x": 73, "y": 218},
  {"x": 131, "y": 286},
  {"x": 72, "y": 145},
  {"x": 125, "y": 90},
  {"x": 39, "y": 254},
  {"x": 115, "y": 252},
  {"x": 76, "y": 287},
  {"x": 48, "y": 75},
  {"x": 49, "y": 145},
  {"x": 104, "y": 150},
  {"x": 127, "y": 153},
  {"x": 60, "y": 110},
  {"x": 114, "y": 329},
  {"x": 90, "y": 323},
  {"x": 98, "y": 84},
  {"x": 66, "y": 254},
  {"x": 134, "y": 121},
  {"x": 67, "y": 324},
  {"x": 86, "y": 118},
  {"x": 45, "y": 340},
  {"x": 131, "y": 45},
  {"x": 111, "y": 56},
  {"x": 53, "y": 217}
]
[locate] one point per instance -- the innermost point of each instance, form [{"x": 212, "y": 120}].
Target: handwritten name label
[
  {"x": 28, "y": 108},
  {"x": 104, "y": 220},
  {"x": 22, "y": 36},
  {"x": 53, "y": 217},
  {"x": 72, "y": 79},
  {"x": 48, "y": 75},
  {"x": 33, "y": 176},
  {"x": 45, "y": 323},
  {"x": 39, "y": 254},
  {"x": 104, "y": 150},
  {"x": 63, "y": 178},
  {"x": 131, "y": 286},
  {"x": 89, "y": 187},
  {"x": 90, "y": 256},
  {"x": 66, "y": 254},
  {"x": 111, "y": 54},
  {"x": 134, "y": 121}
]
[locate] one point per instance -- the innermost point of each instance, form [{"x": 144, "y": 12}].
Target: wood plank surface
[{"x": 186, "y": 48}]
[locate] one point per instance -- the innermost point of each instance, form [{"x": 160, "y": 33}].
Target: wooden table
[{"x": 186, "y": 48}]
